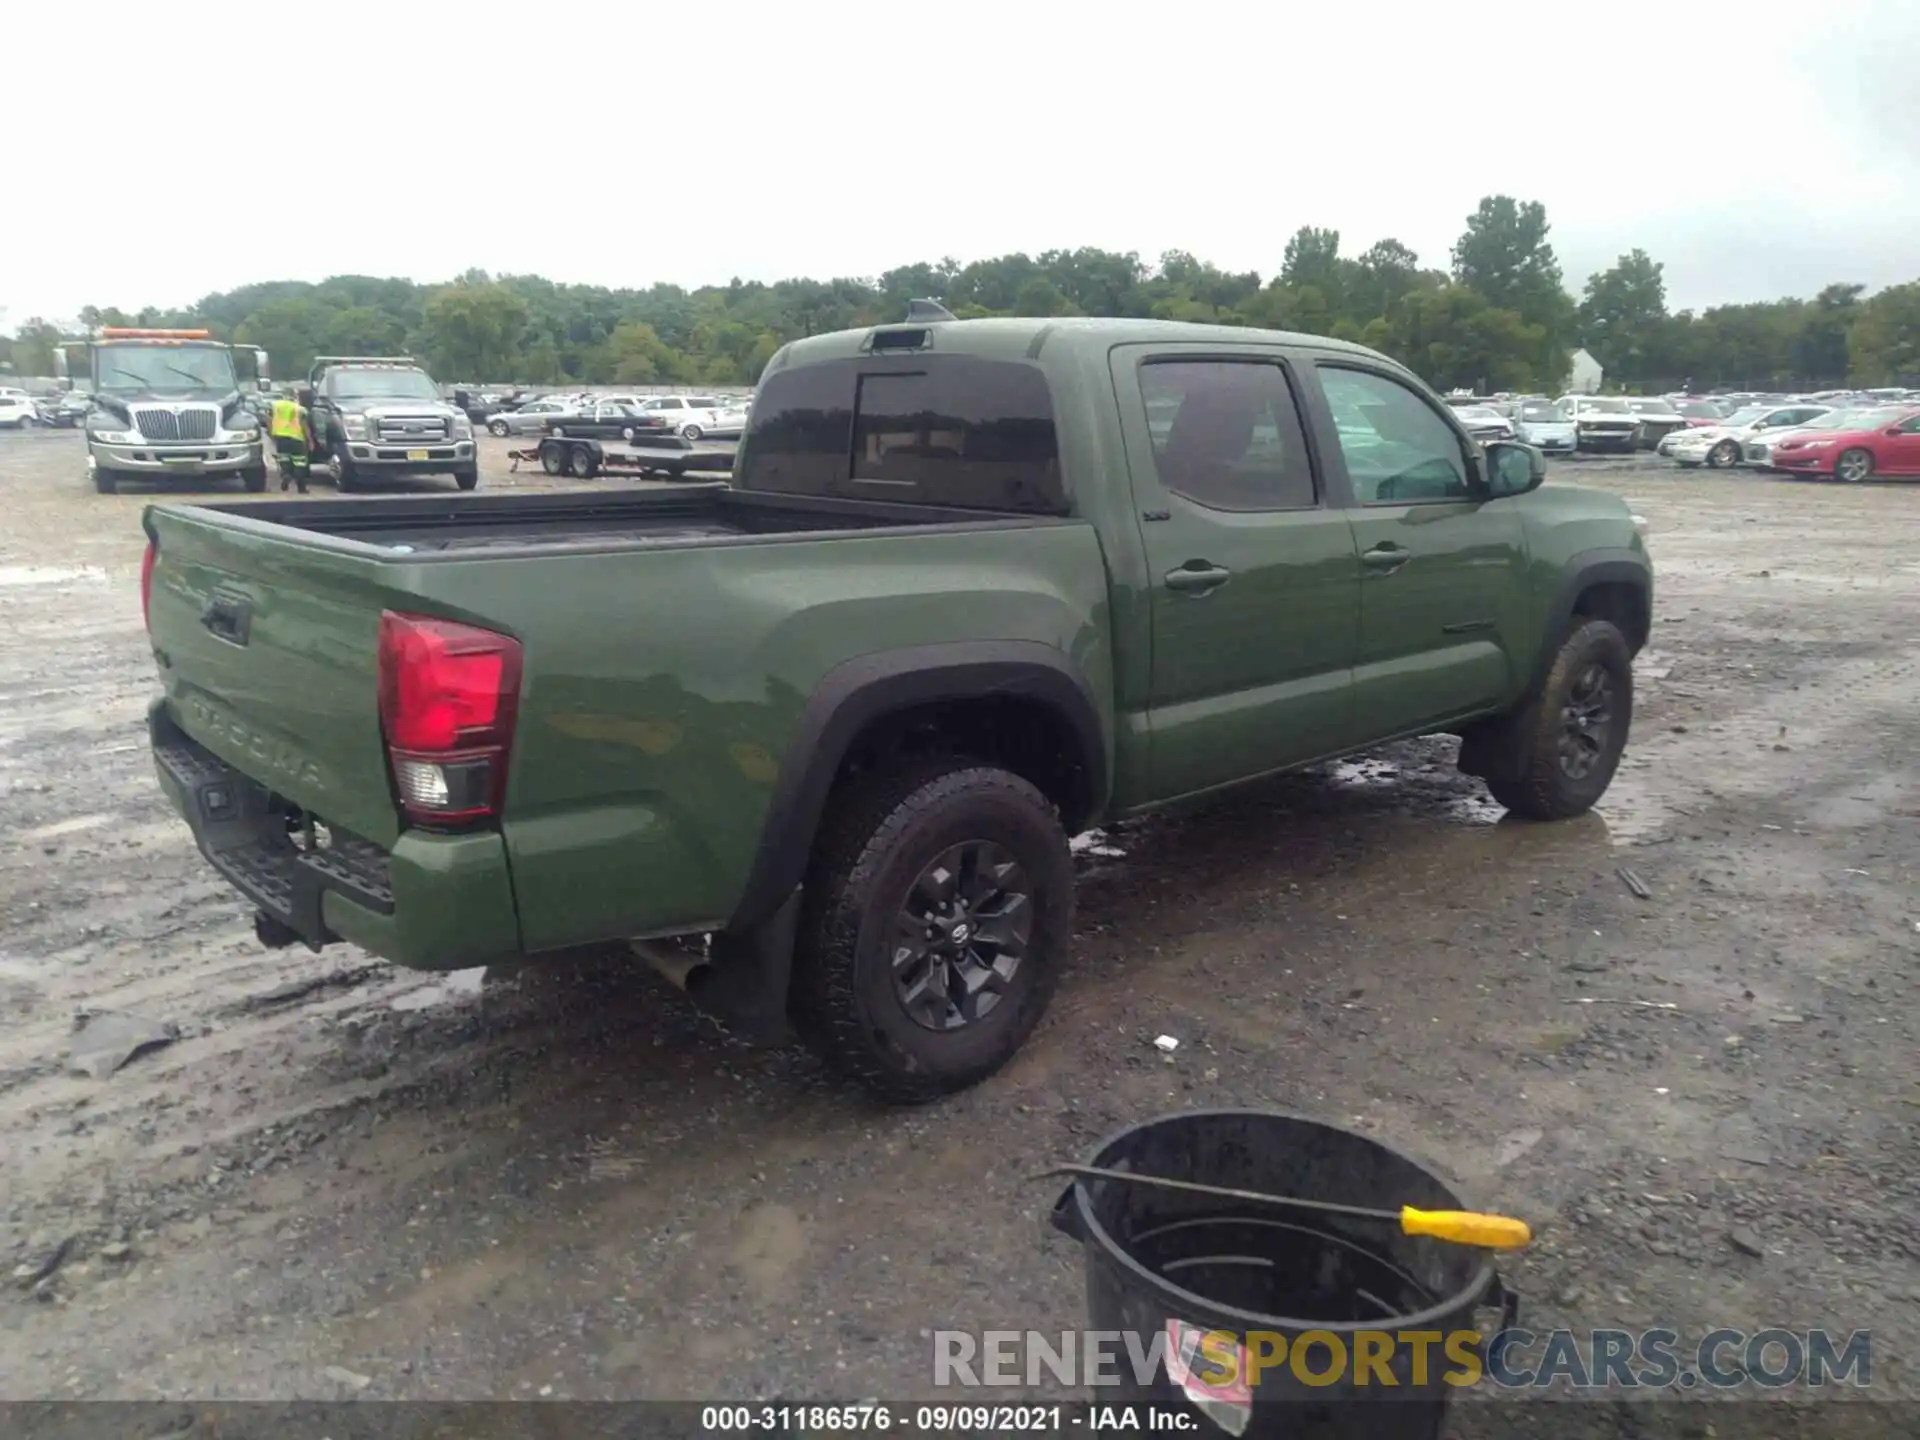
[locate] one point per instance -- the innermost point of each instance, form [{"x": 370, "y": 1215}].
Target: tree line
[{"x": 1497, "y": 316}]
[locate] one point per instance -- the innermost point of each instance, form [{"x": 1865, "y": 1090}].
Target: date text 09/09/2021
[{"x": 915, "y": 1419}]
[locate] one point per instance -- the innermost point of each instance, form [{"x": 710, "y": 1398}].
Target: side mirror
[
  {"x": 265, "y": 385},
  {"x": 1513, "y": 468}
]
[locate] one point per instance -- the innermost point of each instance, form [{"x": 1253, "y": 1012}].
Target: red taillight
[
  {"x": 146, "y": 584},
  {"x": 448, "y": 693}
]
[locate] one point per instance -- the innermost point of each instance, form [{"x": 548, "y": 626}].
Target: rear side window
[
  {"x": 801, "y": 433},
  {"x": 1226, "y": 434},
  {"x": 950, "y": 430}
]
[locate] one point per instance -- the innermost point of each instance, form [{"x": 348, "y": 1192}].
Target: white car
[
  {"x": 1545, "y": 426},
  {"x": 1720, "y": 446},
  {"x": 688, "y": 415},
  {"x": 17, "y": 410},
  {"x": 1483, "y": 422}
]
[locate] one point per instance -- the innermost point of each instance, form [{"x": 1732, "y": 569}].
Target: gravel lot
[{"x": 509, "y": 1186}]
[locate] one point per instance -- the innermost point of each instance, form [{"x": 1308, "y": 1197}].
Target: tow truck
[{"x": 167, "y": 402}]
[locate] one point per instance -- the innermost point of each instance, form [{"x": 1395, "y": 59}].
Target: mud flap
[
  {"x": 743, "y": 985},
  {"x": 1491, "y": 748}
]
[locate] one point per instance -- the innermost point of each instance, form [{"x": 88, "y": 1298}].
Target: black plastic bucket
[{"x": 1171, "y": 1264}]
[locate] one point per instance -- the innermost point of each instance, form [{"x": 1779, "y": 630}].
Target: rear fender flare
[{"x": 858, "y": 692}]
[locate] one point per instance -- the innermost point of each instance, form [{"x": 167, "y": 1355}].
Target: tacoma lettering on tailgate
[{"x": 276, "y": 759}]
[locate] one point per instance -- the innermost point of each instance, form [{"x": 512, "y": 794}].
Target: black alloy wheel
[
  {"x": 1586, "y": 720},
  {"x": 960, "y": 935}
]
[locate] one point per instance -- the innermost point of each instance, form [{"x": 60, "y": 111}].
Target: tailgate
[{"x": 267, "y": 650}]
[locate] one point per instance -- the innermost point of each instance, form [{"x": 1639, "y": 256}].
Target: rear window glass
[{"x": 939, "y": 430}]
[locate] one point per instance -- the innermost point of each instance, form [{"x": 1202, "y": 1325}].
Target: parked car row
[
  {"x": 626, "y": 417},
  {"x": 1850, "y": 443},
  {"x": 1850, "y": 435},
  {"x": 1572, "y": 423}
]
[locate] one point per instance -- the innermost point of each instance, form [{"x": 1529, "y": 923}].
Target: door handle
[
  {"x": 1386, "y": 557},
  {"x": 1196, "y": 577}
]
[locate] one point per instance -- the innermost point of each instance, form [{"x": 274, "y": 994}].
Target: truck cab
[
  {"x": 167, "y": 403},
  {"x": 383, "y": 415}
]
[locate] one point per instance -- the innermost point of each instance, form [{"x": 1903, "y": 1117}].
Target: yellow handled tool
[
  {"x": 1467, "y": 1227},
  {"x": 1459, "y": 1227}
]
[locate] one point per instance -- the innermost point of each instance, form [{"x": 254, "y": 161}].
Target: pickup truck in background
[
  {"x": 383, "y": 415},
  {"x": 977, "y": 585}
]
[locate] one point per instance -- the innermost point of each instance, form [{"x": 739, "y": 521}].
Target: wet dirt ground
[{"x": 511, "y": 1186}]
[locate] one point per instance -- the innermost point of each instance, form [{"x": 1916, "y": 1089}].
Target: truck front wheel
[
  {"x": 345, "y": 477},
  {"x": 467, "y": 479},
  {"x": 104, "y": 480},
  {"x": 1562, "y": 748},
  {"x": 938, "y": 910}
]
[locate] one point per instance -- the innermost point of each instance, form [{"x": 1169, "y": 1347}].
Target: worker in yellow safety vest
[{"x": 292, "y": 442}]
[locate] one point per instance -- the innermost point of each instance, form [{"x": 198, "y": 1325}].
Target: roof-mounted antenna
[{"x": 928, "y": 311}]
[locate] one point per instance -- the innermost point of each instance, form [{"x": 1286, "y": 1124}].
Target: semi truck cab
[{"x": 167, "y": 402}]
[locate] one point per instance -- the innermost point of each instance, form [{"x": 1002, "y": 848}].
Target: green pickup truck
[{"x": 975, "y": 586}]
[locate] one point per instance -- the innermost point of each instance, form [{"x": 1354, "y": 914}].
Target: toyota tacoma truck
[
  {"x": 384, "y": 416},
  {"x": 825, "y": 732}
]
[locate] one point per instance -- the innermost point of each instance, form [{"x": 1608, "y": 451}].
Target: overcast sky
[{"x": 1758, "y": 150}]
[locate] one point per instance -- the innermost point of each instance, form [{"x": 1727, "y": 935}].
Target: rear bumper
[
  {"x": 158, "y": 458},
  {"x": 434, "y": 902}
]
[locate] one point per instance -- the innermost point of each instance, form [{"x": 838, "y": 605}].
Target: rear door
[
  {"x": 1442, "y": 587},
  {"x": 268, "y": 654},
  {"x": 1255, "y": 585}
]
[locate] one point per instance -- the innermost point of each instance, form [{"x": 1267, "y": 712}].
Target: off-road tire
[
  {"x": 467, "y": 479},
  {"x": 879, "y": 834},
  {"x": 345, "y": 477},
  {"x": 1539, "y": 789}
]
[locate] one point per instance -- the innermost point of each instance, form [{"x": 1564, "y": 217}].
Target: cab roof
[{"x": 1028, "y": 338}]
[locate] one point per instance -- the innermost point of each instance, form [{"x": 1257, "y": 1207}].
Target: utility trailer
[{"x": 585, "y": 458}]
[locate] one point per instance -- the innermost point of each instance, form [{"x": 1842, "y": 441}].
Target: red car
[{"x": 1888, "y": 444}]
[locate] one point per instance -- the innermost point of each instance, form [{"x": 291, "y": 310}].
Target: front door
[
  {"x": 1900, "y": 450},
  {"x": 1255, "y": 588},
  {"x": 1443, "y": 605}
]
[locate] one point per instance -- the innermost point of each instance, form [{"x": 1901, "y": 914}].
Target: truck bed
[
  {"x": 423, "y": 525},
  {"x": 669, "y": 639}
]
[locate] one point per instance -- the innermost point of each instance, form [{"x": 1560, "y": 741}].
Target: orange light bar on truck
[{"x": 121, "y": 332}]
